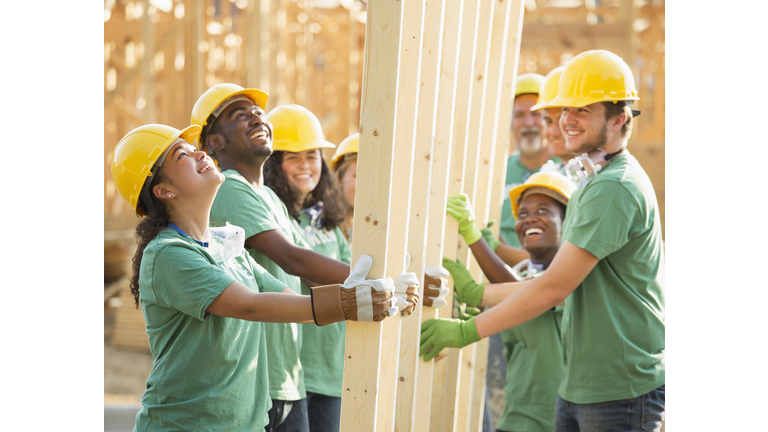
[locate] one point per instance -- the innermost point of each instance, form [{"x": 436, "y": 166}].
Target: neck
[
  {"x": 543, "y": 257},
  {"x": 251, "y": 172},
  {"x": 531, "y": 161},
  {"x": 194, "y": 223}
]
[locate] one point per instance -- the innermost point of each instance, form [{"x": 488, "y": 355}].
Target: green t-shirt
[
  {"x": 210, "y": 372},
  {"x": 613, "y": 323},
  {"x": 256, "y": 211},
  {"x": 516, "y": 175},
  {"x": 322, "y": 350},
  {"x": 534, "y": 359}
]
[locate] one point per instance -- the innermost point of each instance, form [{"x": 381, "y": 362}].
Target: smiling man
[
  {"x": 238, "y": 136},
  {"x": 609, "y": 269}
]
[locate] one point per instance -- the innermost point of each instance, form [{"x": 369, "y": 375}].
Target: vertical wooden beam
[
  {"x": 441, "y": 160},
  {"x": 407, "y": 102},
  {"x": 196, "y": 62},
  {"x": 419, "y": 214},
  {"x": 364, "y": 354},
  {"x": 443, "y": 409},
  {"x": 471, "y": 186}
]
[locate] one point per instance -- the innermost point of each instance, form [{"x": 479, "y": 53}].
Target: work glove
[
  {"x": 435, "y": 286},
  {"x": 357, "y": 299},
  {"x": 440, "y": 333},
  {"x": 464, "y": 312},
  {"x": 464, "y": 286},
  {"x": 460, "y": 209},
  {"x": 489, "y": 237},
  {"x": 407, "y": 292}
]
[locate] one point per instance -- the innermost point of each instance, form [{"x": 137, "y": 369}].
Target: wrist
[
  {"x": 468, "y": 332},
  {"x": 471, "y": 235},
  {"x": 327, "y": 304}
]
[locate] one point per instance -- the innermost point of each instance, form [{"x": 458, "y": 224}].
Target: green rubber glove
[
  {"x": 489, "y": 238},
  {"x": 466, "y": 312},
  {"x": 437, "y": 334},
  {"x": 464, "y": 286},
  {"x": 460, "y": 209}
]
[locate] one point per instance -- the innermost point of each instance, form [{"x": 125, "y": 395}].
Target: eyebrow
[{"x": 180, "y": 147}]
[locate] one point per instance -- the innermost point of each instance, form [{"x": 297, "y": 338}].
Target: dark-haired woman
[
  {"x": 203, "y": 297},
  {"x": 299, "y": 175}
]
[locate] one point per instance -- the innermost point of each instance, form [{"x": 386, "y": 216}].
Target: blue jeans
[
  {"x": 288, "y": 416},
  {"x": 324, "y": 412},
  {"x": 643, "y": 413}
]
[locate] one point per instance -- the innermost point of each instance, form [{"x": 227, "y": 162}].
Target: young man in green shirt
[
  {"x": 239, "y": 138},
  {"x": 609, "y": 269}
]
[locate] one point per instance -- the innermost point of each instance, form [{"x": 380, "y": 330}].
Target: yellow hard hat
[
  {"x": 296, "y": 129},
  {"x": 548, "y": 90},
  {"x": 552, "y": 184},
  {"x": 214, "y": 96},
  {"x": 138, "y": 152},
  {"x": 348, "y": 146},
  {"x": 528, "y": 83},
  {"x": 594, "y": 76}
]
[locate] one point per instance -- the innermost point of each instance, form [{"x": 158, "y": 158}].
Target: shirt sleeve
[
  {"x": 237, "y": 203},
  {"x": 603, "y": 219},
  {"x": 183, "y": 279}
]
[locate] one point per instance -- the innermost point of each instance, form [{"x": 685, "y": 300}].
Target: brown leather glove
[{"x": 357, "y": 299}]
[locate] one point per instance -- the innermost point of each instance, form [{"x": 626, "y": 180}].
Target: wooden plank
[
  {"x": 441, "y": 159},
  {"x": 419, "y": 213},
  {"x": 364, "y": 355},
  {"x": 471, "y": 186},
  {"x": 446, "y": 378}
]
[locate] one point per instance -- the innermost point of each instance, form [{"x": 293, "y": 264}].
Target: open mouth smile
[{"x": 532, "y": 231}]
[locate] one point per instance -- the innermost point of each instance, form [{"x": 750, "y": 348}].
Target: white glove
[
  {"x": 407, "y": 292},
  {"x": 435, "y": 289}
]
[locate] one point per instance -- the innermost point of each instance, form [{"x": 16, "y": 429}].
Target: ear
[
  {"x": 215, "y": 142},
  {"x": 618, "y": 121},
  {"x": 162, "y": 192}
]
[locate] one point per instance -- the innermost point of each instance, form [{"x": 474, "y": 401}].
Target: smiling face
[
  {"x": 553, "y": 135},
  {"x": 585, "y": 128},
  {"x": 538, "y": 227},
  {"x": 302, "y": 169},
  {"x": 527, "y": 125},
  {"x": 246, "y": 132},
  {"x": 189, "y": 174}
]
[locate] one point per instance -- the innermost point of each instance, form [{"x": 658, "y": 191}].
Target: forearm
[
  {"x": 511, "y": 255},
  {"x": 245, "y": 304},
  {"x": 315, "y": 268},
  {"x": 493, "y": 294},
  {"x": 519, "y": 303},
  {"x": 493, "y": 267}
]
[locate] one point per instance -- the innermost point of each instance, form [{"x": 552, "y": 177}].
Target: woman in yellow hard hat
[
  {"x": 532, "y": 351},
  {"x": 298, "y": 174},
  {"x": 344, "y": 164},
  {"x": 203, "y": 297}
]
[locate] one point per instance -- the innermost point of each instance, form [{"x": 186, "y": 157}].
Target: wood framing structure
[{"x": 429, "y": 85}]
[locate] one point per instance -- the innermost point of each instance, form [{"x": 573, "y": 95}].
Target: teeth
[
  {"x": 203, "y": 169},
  {"x": 534, "y": 231},
  {"x": 260, "y": 134},
  {"x": 573, "y": 133}
]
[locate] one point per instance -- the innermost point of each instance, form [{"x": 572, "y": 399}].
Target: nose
[{"x": 255, "y": 117}]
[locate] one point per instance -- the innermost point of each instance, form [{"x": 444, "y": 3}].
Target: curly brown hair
[
  {"x": 148, "y": 228},
  {"x": 327, "y": 190}
]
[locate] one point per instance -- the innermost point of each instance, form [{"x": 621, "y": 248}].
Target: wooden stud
[{"x": 364, "y": 341}]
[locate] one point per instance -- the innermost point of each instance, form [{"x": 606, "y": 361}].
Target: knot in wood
[{"x": 375, "y": 133}]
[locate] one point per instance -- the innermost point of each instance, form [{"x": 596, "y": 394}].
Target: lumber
[
  {"x": 441, "y": 159},
  {"x": 422, "y": 156},
  {"x": 364, "y": 341}
]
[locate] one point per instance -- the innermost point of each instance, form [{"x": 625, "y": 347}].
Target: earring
[{"x": 170, "y": 195}]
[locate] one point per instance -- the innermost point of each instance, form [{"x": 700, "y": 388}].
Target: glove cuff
[
  {"x": 326, "y": 304},
  {"x": 469, "y": 332},
  {"x": 472, "y": 235},
  {"x": 474, "y": 297}
]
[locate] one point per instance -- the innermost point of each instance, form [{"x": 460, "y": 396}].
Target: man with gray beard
[{"x": 527, "y": 129}]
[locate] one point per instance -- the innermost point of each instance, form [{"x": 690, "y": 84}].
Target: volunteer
[
  {"x": 532, "y": 351},
  {"x": 344, "y": 164},
  {"x": 298, "y": 174},
  {"x": 609, "y": 269},
  {"x": 237, "y": 135},
  {"x": 203, "y": 298},
  {"x": 552, "y": 133}
]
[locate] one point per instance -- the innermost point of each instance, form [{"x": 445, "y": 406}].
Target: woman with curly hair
[
  {"x": 299, "y": 175},
  {"x": 203, "y": 297}
]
